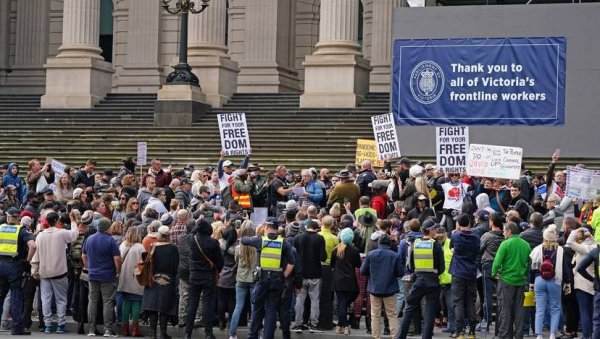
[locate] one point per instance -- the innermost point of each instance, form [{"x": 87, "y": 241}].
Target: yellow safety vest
[
  {"x": 9, "y": 240},
  {"x": 446, "y": 278},
  {"x": 423, "y": 255},
  {"x": 270, "y": 254}
]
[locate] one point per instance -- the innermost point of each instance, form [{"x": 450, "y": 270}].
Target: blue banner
[{"x": 489, "y": 81}]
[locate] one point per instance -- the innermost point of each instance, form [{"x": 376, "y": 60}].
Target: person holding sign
[
  {"x": 225, "y": 169},
  {"x": 39, "y": 177},
  {"x": 454, "y": 193}
]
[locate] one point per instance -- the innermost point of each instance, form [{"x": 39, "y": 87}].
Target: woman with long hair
[
  {"x": 550, "y": 272},
  {"x": 132, "y": 206},
  {"x": 131, "y": 291},
  {"x": 11, "y": 199},
  {"x": 160, "y": 300},
  {"x": 129, "y": 185},
  {"x": 227, "y": 281},
  {"x": 246, "y": 258},
  {"x": 345, "y": 259},
  {"x": 64, "y": 189},
  {"x": 116, "y": 230},
  {"x": 581, "y": 241},
  {"x": 120, "y": 210}
]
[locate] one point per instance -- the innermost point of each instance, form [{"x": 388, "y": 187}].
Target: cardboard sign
[
  {"x": 384, "y": 130},
  {"x": 582, "y": 183},
  {"x": 494, "y": 161},
  {"x": 367, "y": 150},
  {"x": 142, "y": 153},
  {"x": 235, "y": 139},
  {"x": 58, "y": 168},
  {"x": 452, "y": 147}
]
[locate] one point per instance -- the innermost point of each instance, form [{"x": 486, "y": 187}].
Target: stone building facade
[{"x": 74, "y": 52}]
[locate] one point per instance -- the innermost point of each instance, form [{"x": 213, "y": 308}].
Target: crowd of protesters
[{"x": 407, "y": 247}]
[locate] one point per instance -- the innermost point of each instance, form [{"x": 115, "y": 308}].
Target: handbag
[
  {"x": 144, "y": 271},
  {"x": 212, "y": 265}
]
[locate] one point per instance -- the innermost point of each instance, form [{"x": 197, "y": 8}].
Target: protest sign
[
  {"x": 367, "y": 150},
  {"x": 142, "y": 153},
  {"x": 582, "y": 183},
  {"x": 452, "y": 146},
  {"x": 58, "y": 168},
  {"x": 235, "y": 139},
  {"x": 259, "y": 215},
  {"x": 479, "y": 81},
  {"x": 384, "y": 129},
  {"x": 494, "y": 161}
]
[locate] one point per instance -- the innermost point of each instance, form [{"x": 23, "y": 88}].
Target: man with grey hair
[
  {"x": 180, "y": 226},
  {"x": 554, "y": 214},
  {"x": 157, "y": 201},
  {"x": 365, "y": 176}
]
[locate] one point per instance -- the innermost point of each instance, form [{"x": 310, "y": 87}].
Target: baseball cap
[
  {"x": 429, "y": 224},
  {"x": 482, "y": 214},
  {"x": 421, "y": 197},
  {"x": 379, "y": 184},
  {"x": 13, "y": 212},
  {"x": 227, "y": 163}
]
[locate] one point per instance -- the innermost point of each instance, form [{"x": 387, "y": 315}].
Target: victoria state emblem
[{"x": 427, "y": 82}]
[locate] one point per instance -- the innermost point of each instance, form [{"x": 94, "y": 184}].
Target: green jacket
[{"x": 512, "y": 261}]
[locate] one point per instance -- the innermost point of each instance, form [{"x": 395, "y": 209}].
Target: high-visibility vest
[
  {"x": 9, "y": 240},
  {"x": 446, "y": 278},
  {"x": 243, "y": 199},
  {"x": 423, "y": 255},
  {"x": 270, "y": 254}
]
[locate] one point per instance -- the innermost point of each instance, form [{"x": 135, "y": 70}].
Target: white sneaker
[
  {"x": 539, "y": 337},
  {"x": 552, "y": 335},
  {"x": 233, "y": 337}
]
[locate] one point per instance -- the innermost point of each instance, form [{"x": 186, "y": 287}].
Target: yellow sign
[{"x": 367, "y": 150}]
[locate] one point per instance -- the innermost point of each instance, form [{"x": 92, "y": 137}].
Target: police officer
[
  {"x": 426, "y": 260},
  {"x": 16, "y": 246},
  {"x": 276, "y": 264}
]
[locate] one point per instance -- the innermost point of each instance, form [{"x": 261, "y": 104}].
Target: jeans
[
  {"x": 312, "y": 288},
  {"x": 207, "y": 288},
  {"x": 586, "y": 303},
  {"x": 184, "y": 295},
  {"x": 12, "y": 272},
  {"x": 449, "y": 301},
  {"x": 464, "y": 294},
  {"x": 596, "y": 318},
  {"x": 389, "y": 304},
  {"x": 547, "y": 292},
  {"x": 489, "y": 284},
  {"x": 343, "y": 299},
  {"x": 418, "y": 291},
  {"x": 107, "y": 289},
  {"x": 57, "y": 288},
  {"x": 399, "y": 297},
  {"x": 509, "y": 319},
  {"x": 242, "y": 290}
]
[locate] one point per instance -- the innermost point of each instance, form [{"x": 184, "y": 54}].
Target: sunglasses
[
  {"x": 402, "y": 212},
  {"x": 135, "y": 203}
]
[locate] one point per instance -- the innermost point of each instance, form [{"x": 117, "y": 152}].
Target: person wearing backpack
[{"x": 548, "y": 274}]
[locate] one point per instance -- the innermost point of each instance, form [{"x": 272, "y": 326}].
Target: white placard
[
  {"x": 58, "y": 168},
  {"x": 235, "y": 139},
  {"x": 493, "y": 161},
  {"x": 259, "y": 215},
  {"x": 451, "y": 148},
  {"x": 582, "y": 183},
  {"x": 142, "y": 153},
  {"x": 384, "y": 130}
]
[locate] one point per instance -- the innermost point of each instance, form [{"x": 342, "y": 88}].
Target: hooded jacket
[
  {"x": 464, "y": 260},
  {"x": 483, "y": 202},
  {"x": 200, "y": 267},
  {"x": 10, "y": 179}
]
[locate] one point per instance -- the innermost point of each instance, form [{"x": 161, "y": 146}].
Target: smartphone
[{"x": 556, "y": 153}]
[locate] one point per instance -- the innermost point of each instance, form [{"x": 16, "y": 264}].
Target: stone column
[
  {"x": 78, "y": 77},
  {"x": 268, "y": 63},
  {"x": 381, "y": 47},
  {"x": 207, "y": 53},
  {"x": 142, "y": 72},
  {"x": 31, "y": 46},
  {"x": 336, "y": 74}
]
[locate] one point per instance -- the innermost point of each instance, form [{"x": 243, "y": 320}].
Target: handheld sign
[
  {"x": 452, "y": 146},
  {"x": 384, "y": 129},
  {"x": 367, "y": 150},
  {"x": 235, "y": 139},
  {"x": 582, "y": 183},
  {"x": 494, "y": 161},
  {"x": 58, "y": 168},
  {"x": 142, "y": 153}
]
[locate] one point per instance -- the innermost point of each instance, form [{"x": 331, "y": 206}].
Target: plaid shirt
[{"x": 176, "y": 231}]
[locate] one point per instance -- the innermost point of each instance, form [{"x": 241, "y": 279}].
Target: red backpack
[{"x": 547, "y": 271}]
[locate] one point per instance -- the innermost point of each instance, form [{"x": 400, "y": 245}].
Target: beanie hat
[
  {"x": 87, "y": 217},
  {"x": 103, "y": 224},
  {"x": 26, "y": 221},
  {"x": 347, "y": 236},
  {"x": 163, "y": 230},
  {"x": 166, "y": 219},
  {"x": 77, "y": 192},
  {"x": 550, "y": 233},
  {"x": 294, "y": 228}
]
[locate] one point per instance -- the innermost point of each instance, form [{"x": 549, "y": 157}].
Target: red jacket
[{"x": 379, "y": 204}]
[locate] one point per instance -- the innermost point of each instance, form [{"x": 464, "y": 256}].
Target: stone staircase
[{"x": 280, "y": 132}]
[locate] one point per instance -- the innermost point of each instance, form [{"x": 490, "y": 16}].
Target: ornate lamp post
[{"x": 182, "y": 73}]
